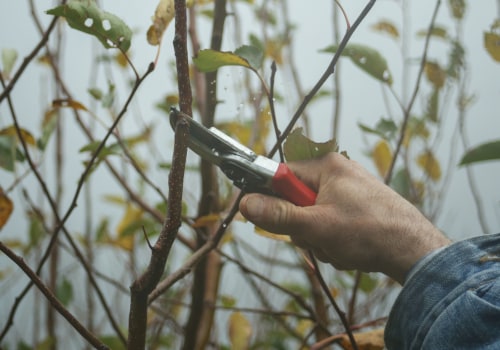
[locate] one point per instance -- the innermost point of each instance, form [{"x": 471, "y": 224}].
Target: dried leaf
[
  {"x": 428, "y": 162},
  {"x": 267, "y": 234},
  {"x": 435, "y": 74},
  {"x": 206, "y": 220},
  {"x": 6, "y": 208},
  {"x": 371, "y": 340},
  {"x": 164, "y": 14},
  {"x": 386, "y": 27},
  {"x": 299, "y": 147},
  {"x": 87, "y": 17},
  {"x": 25, "y": 134},
  {"x": 211, "y": 60},
  {"x": 492, "y": 45},
  {"x": 382, "y": 156},
  {"x": 457, "y": 8},
  {"x": 436, "y": 32},
  {"x": 60, "y": 103},
  {"x": 240, "y": 331}
]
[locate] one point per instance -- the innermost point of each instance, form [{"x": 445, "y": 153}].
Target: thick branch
[{"x": 146, "y": 283}]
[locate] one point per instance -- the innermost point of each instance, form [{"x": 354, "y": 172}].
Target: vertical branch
[
  {"x": 407, "y": 110},
  {"x": 146, "y": 283},
  {"x": 181, "y": 58},
  {"x": 207, "y": 272}
]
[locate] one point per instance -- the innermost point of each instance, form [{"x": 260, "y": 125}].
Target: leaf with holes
[
  {"x": 87, "y": 17},
  {"x": 299, "y": 147},
  {"x": 368, "y": 59}
]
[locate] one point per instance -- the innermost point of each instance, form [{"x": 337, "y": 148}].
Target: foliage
[{"x": 88, "y": 266}]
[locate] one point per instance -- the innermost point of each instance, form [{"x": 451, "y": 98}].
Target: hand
[{"x": 357, "y": 222}]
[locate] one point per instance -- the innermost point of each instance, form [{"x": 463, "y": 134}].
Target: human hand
[{"x": 357, "y": 222}]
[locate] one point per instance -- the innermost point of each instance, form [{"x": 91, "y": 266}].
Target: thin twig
[
  {"x": 329, "y": 71},
  {"x": 339, "y": 312},
  {"x": 407, "y": 110},
  {"x": 73, "y": 321}
]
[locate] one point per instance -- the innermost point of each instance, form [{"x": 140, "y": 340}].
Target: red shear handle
[{"x": 287, "y": 185}]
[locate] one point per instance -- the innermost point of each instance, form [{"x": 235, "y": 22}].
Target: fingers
[
  {"x": 273, "y": 214},
  {"x": 312, "y": 172}
]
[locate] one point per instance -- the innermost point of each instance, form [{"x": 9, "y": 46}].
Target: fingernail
[{"x": 254, "y": 206}]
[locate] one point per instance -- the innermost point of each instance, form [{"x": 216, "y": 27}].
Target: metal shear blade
[{"x": 210, "y": 143}]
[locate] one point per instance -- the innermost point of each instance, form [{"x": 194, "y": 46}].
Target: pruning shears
[{"x": 248, "y": 171}]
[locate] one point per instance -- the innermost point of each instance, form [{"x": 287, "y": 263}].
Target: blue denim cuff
[{"x": 440, "y": 305}]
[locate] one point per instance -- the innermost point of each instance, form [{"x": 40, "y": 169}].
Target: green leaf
[
  {"x": 9, "y": 57},
  {"x": 484, "y": 152},
  {"x": 48, "y": 126},
  {"x": 252, "y": 54},
  {"x": 96, "y": 93},
  {"x": 368, "y": 59},
  {"x": 385, "y": 128},
  {"x": 112, "y": 341},
  {"x": 401, "y": 183},
  {"x": 299, "y": 147},
  {"x": 87, "y": 17},
  {"x": 211, "y": 60},
  {"x": 64, "y": 292}
]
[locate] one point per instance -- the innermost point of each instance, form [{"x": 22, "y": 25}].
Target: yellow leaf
[
  {"x": 387, "y": 27},
  {"x": 61, "y": 103},
  {"x": 304, "y": 327},
  {"x": 25, "y": 134},
  {"x": 240, "y": 331},
  {"x": 206, "y": 220},
  {"x": 126, "y": 227},
  {"x": 164, "y": 14},
  {"x": 492, "y": 45},
  {"x": 121, "y": 59},
  {"x": 382, "y": 156},
  {"x": 435, "y": 74},
  {"x": 267, "y": 234},
  {"x": 371, "y": 340},
  {"x": 6, "y": 207},
  {"x": 428, "y": 162}
]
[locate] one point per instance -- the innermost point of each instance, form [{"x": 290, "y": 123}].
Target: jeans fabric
[{"x": 451, "y": 299}]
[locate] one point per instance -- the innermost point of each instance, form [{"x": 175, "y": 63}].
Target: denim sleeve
[{"x": 451, "y": 301}]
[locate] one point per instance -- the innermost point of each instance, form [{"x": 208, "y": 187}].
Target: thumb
[{"x": 273, "y": 214}]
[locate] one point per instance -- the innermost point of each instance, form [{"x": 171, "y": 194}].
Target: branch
[
  {"x": 52, "y": 298},
  {"x": 407, "y": 110},
  {"x": 143, "y": 285},
  {"x": 28, "y": 59},
  {"x": 329, "y": 71}
]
